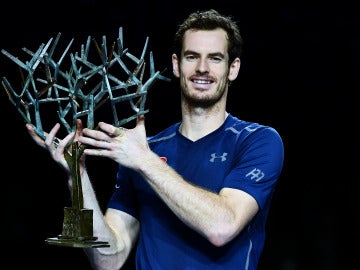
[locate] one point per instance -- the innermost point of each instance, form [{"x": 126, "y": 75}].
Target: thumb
[
  {"x": 140, "y": 120},
  {"x": 140, "y": 125}
]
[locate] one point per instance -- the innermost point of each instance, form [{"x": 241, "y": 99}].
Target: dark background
[{"x": 299, "y": 74}]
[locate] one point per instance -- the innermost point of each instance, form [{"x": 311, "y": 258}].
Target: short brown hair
[{"x": 210, "y": 20}]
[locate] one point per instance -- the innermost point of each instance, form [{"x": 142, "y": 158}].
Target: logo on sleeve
[{"x": 256, "y": 174}]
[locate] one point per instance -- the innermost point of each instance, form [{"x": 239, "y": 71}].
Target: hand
[
  {"x": 125, "y": 146},
  {"x": 57, "y": 148}
]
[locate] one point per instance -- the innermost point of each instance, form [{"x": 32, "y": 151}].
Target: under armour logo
[
  {"x": 256, "y": 174},
  {"x": 214, "y": 156}
]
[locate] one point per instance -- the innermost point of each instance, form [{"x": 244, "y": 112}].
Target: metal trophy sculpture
[{"x": 87, "y": 83}]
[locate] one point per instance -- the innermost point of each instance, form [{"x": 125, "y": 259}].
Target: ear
[
  {"x": 234, "y": 69},
  {"x": 175, "y": 65}
]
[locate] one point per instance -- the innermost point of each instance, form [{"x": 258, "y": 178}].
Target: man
[{"x": 196, "y": 195}]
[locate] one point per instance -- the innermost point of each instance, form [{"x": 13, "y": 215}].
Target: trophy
[{"x": 77, "y": 85}]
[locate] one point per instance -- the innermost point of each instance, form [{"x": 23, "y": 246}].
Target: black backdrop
[{"x": 299, "y": 74}]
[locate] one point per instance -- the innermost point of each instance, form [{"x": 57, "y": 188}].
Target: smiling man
[{"x": 197, "y": 194}]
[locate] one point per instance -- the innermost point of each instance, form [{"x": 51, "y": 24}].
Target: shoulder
[
  {"x": 249, "y": 129},
  {"x": 165, "y": 134}
]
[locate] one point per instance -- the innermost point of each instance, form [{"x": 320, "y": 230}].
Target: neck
[{"x": 199, "y": 122}]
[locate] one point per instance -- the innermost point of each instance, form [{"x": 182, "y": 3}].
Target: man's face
[{"x": 203, "y": 67}]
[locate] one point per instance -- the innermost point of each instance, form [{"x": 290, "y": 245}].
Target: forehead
[{"x": 205, "y": 40}]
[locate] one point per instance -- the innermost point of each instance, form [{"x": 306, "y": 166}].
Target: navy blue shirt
[{"x": 240, "y": 155}]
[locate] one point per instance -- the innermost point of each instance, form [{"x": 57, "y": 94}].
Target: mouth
[
  {"x": 202, "y": 81},
  {"x": 202, "y": 84}
]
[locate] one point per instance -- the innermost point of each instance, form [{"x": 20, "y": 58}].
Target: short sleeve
[{"x": 258, "y": 165}]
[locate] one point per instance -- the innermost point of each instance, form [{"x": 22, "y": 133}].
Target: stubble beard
[{"x": 203, "y": 102}]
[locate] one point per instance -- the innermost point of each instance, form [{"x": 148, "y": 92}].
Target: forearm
[{"x": 206, "y": 212}]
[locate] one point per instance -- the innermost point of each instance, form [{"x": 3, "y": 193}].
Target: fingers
[
  {"x": 62, "y": 146},
  {"x": 79, "y": 127},
  {"x": 140, "y": 120},
  {"x": 121, "y": 132},
  {"x": 117, "y": 132},
  {"x": 140, "y": 126},
  {"x": 109, "y": 130},
  {"x": 34, "y": 136},
  {"x": 50, "y": 138}
]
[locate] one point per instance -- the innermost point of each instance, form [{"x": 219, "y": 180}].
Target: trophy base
[
  {"x": 69, "y": 242},
  {"x": 77, "y": 230}
]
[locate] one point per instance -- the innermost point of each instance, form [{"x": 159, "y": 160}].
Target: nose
[{"x": 203, "y": 65}]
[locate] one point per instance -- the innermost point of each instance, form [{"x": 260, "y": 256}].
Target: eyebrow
[{"x": 219, "y": 54}]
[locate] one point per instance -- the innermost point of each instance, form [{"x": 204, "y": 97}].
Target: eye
[
  {"x": 190, "y": 57},
  {"x": 216, "y": 59}
]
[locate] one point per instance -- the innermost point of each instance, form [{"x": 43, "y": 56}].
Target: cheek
[{"x": 186, "y": 69}]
